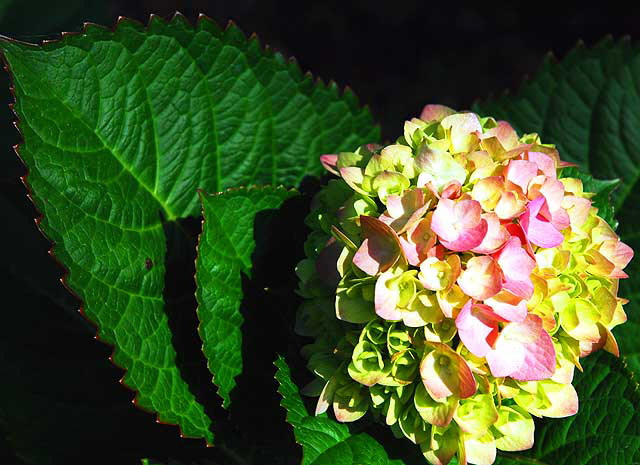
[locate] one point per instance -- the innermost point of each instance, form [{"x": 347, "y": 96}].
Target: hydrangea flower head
[{"x": 452, "y": 282}]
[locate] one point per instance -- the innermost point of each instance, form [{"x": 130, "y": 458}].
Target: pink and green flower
[{"x": 468, "y": 277}]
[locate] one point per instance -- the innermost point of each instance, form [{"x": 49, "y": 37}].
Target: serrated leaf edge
[
  {"x": 202, "y": 194},
  {"x": 549, "y": 57},
  {"x": 279, "y": 361}
]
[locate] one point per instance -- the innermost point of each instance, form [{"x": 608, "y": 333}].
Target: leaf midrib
[
  {"x": 212, "y": 108},
  {"x": 169, "y": 214}
]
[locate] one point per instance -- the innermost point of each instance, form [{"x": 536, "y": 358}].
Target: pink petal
[
  {"x": 410, "y": 251},
  {"x": 468, "y": 213},
  {"x": 527, "y": 342},
  {"x": 515, "y": 230},
  {"x": 553, "y": 192},
  {"x": 564, "y": 402},
  {"x": 430, "y": 277},
  {"x": 560, "y": 219},
  {"x": 354, "y": 177},
  {"x": 481, "y": 279},
  {"x": 415, "y": 218},
  {"x": 330, "y": 163},
  {"x": 509, "y": 205},
  {"x": 436, "y": 251},
  {"x": 617, "y": 252},
  {"x": 516, "y": 266},
  {"x": 505, "y": 134},
  {"x": 566, "y": 164},
  {"x": 505, "y": 359},
  {"x": 603, "y": 232},
  {"x": 380, "y": 249},
  {"x": 438, "y": 275},
  {"x": 539, "y": 231},
  {"x": 544, "y": 162},
  {"x": 475, "y": 328},
  {"x": 326, "y": 396},
  {"x": 450, "y": 300},
  {"x": 405, "y": 205},
  {"x": 403, "y": 212},
  {"x": 520, "y": 172},
  {"x": 451, "y": 190},
  {"x": 438, "y": 168},
  {"x": 468, "y": 239},
  {"x": 577, "y": 208},
  {"x": 419, "y": 240},
  {"x": 496, "y": 235},
  {"x": 508, "y": 306},
  {"x": 433, "y": 112},
  {"x": 487, "y": 191},
  {"x": 459, "y": 225},
  {"x": 443, "y": 218},
  {"x": 540, "y": 357},
  {"x": 395, "y": 209}
]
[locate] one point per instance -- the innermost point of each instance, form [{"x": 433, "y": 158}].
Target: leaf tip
[{"x": 179, "y": 17}]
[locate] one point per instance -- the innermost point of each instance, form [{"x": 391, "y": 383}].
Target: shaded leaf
[
  {"x": 324, "y": 441},
  {"x": 224, "y": 251}
]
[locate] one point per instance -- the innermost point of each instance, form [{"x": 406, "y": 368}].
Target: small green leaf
[
  {"x": 121, "y": 127},
  {"x": 224, "y": 251},
  {"x": 324, "y": 441}
]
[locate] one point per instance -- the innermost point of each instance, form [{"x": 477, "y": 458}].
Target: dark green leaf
[
  {"x": 120, "y": 129},
  {"x": 324, "y": 441},
  {"x": 224, "y": 251}
]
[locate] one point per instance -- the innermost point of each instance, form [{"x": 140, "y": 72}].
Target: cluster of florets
[{"x": 467, "y": 277}]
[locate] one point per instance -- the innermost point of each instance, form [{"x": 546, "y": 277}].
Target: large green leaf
[
  {"x": 224, "y": 251},
  {"x": 325, "y": 441},
  {"x": 122, "y": 127},
  {"x": 589, "y": 106}
]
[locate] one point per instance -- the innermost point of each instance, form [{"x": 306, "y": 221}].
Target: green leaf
[
  {"x": 122, "y": 127},
  {"x": 224, "y": 251},
  {"x": 589, "y": 106},
  {"x": 324, "y": 441},
  {"x": 606, "y": 430}
]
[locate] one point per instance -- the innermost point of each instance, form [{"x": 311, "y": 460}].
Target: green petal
[{"x": 514, "y": 429}]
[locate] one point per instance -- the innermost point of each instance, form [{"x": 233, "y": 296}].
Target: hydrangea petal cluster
[{"x": 452, "y": 282}]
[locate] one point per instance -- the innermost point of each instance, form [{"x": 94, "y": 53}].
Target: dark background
[{"x": 60, "y": 400}]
